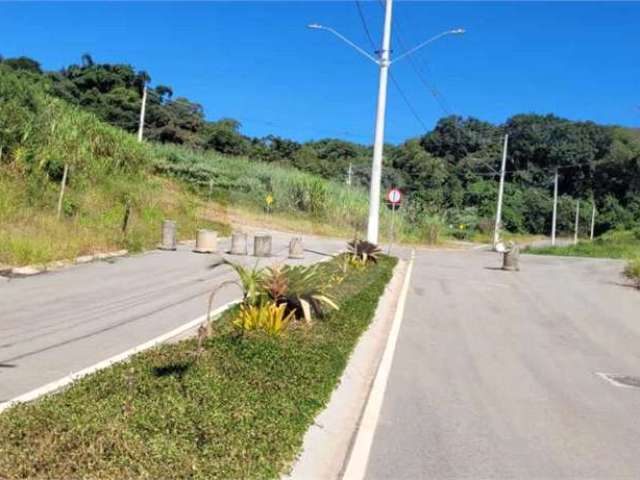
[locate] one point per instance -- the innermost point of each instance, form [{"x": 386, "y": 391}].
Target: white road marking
[
  {"x": 359, "y": 458},
  {"x": 63, "y": 382}
]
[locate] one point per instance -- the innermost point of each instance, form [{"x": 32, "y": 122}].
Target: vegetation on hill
[
  {"x": 448, "y": 174},
  {"x": 229, "y": 406},
  {"x": 108, "y": 176}
]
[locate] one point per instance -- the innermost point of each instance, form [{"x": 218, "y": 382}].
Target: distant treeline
[{"x": 449, "y": 171}]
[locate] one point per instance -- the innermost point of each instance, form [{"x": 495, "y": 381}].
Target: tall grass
[
  {"x": 613, "y": 244},
  {"x": 109, "y": 172},
  {"x": 241, "y": 181}
]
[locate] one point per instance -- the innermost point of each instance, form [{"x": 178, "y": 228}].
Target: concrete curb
[
  {"x": 327, "y": 444},
  {"x": 30, "y": 270},
  {"x": 121, "y": 357}
]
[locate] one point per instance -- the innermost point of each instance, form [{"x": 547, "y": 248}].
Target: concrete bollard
[
  {"x": 206, "y": 241},
  {"x": 238, "y": 243},
  {"x": 296, "y": 250},
  {"x": 262, "y": 245},
  {"x": 168, "y": 235},
  {"x": 511, "y": 259}
]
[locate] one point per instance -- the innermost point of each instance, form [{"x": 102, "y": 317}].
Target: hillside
[
  {"x": 84, "y": 116},
  {"x": 110, "y": 174}
]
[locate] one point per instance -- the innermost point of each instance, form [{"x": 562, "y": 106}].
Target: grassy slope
[
  {"x": 614, "y": 244},
  {"x": 301, "y": 200},
  {"x": 108, "y": 170},
  {"x": 239, "y": 411}
]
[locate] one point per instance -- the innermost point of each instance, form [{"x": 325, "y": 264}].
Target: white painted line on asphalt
[
  {"x": 359, "y": 458},
  {"x": 63, "y": 382}
]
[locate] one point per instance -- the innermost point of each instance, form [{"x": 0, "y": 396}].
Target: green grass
[
  {"x": 109, "y": 169},
  {"x": 93, "y": 219},
  {"x": 613, "y": 244},
  {"x": 632, "y": 271},
  {"x": 240, "y": 410},
  {"x": 307, "y": 200}
]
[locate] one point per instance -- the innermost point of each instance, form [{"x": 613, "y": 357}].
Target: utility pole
[
  {"x": 142, "y": 112},
  {"x": 503, "y": 167},
  {"x": 349, "y": 174},
  {"x": 575, "y": 234},
  {"x": 378, "y": 145},
  {"x": 383, "y": 61},
  {"x": 593, "y": 218},
  {"x": 63, "y": 184},
  {"x": 555, "y": 208}
]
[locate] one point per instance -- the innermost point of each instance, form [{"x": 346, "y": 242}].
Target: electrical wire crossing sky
[{"x": 258, "y": 63}]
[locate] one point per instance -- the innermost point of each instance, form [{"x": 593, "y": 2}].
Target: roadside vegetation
[
  {"x": 111, "y": 200},
  {"x": 235, "y": 402},
  {"x": 624, "y": 244},
  {"x": 448, "y": 174}
]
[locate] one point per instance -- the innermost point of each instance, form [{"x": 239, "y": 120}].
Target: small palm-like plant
[
  {"x": 250, "y": 281},
  {"x": 303, "y": 290},
  {"x": 364, "y": 251},
  {"x": 267, "y": 317}
]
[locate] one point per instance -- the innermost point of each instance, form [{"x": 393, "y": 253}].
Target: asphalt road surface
[
  {"x": 57, "y": 323},
  {"x": 494, "y": 374}
]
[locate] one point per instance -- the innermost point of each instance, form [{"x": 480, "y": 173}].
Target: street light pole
[
  {"x": 378, "y": 144},
  {"x": 384, "y": 62}
]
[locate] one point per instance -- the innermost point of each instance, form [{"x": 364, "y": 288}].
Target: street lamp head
[
  {"x": 457, "y": 31},
  {"x": 314, "y": 26}
]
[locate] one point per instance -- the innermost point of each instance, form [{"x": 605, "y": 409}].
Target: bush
[{"x": 632, "y": 271}]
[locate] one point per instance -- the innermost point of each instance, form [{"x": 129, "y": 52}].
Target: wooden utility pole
[
  {"x": 577, "y": 227},
  {"x": 496, "y": 229},
  {"x": 555, "y": 208},
  {"x": 593, "y": 218},
  {"x": 63, "y": 184}
]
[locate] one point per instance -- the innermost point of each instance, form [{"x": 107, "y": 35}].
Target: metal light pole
[
  {"x": 555, "y": 208},
  {"x": 142, "y": 112},
  {"x": 384, "y": 62},
  {"x": 503, "y": 167}
]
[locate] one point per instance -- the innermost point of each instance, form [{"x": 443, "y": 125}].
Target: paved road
[
  {"x": 58, "y": 323},
  {"x": 494, "y": 372}
]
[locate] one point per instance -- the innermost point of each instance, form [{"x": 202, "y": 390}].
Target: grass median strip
[{"x": 238, "y": 408}]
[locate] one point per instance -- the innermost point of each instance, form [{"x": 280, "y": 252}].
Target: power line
[
  {"x": 430, "y": 86},
  {"x": 404, "y": 97}
]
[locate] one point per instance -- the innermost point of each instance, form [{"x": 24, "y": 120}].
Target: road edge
[
  {"x": 67, "y": 380},
  {"x": 356, "y": 466},
  {"x": 328, "y": 443}
]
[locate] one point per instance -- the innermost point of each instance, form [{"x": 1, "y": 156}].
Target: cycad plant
[
  {"x": 304, "y": 290},
  {"x": 363, "y": 251}
]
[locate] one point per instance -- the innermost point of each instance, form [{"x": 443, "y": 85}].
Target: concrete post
[
  {"x": 511, "y": 259},
  {"x": 206, "y": 241},
  {"x": 168, "y": 235},
  {"x": 238, "y": 243},
  {"x": 262, "y": 245},
  {"x": 296, "y": 250}
]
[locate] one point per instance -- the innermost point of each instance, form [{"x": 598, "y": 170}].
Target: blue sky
[{"x": 256, "y": 61}]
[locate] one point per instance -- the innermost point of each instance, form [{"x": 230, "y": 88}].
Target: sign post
[{"x": 394, "y": 197}]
